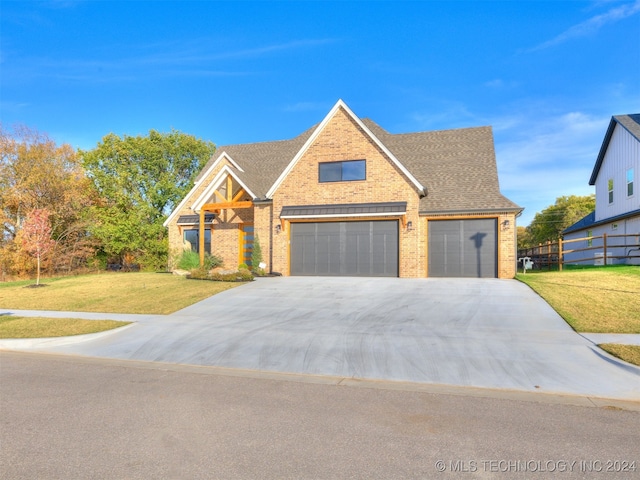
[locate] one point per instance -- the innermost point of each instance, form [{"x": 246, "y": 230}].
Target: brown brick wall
[
  {"x": 342, "y": 139},
  {"x": 264, "y": 226},
  {"x": 507, "y": 246}
]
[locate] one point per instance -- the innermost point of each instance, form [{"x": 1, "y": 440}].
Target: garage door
[
  {"x": 345, "y": 248},
  {"x": 463, "y": 248}
]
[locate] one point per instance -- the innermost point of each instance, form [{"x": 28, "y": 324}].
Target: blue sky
[{"x": 546, "y": 75}]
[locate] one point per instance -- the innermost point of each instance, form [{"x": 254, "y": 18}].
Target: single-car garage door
[
  {"x": 463, "y": 248},
  {"x": 345, "y": 248}
]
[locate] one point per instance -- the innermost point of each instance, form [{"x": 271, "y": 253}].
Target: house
[
  {"x": 617, "y": 214},
  {"x": 346, "y": 197}
]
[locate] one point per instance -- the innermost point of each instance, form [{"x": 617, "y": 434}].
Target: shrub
[
  {"x": 256, "y": 257},
  {"x": 199, "y": 274},
  {"x": 190, "y": 260},
  {"x": 203, "y": 274},
  {"x": 239, "y": 276},
  {"x": 243, "y": 266},
  {"x": 211, "y": 261}
]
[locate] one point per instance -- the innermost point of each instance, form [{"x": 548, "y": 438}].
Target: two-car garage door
[{"x": 358, "y": 248}]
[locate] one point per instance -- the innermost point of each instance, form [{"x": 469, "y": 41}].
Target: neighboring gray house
[{"x": 615, "y": 176}]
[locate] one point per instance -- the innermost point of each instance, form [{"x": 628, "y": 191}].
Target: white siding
[
  {"x": 615, "y": 246},
  {"x": 622, "y": 154}
]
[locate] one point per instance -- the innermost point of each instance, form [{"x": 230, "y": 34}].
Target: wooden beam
[
  {"x": 201, "y": 237},
  {"x": 229, "y": 188},
  {"x": 220, "y": 197},
  {"x": 211, "y": 207},
  {"x": 239, "y": 195}
]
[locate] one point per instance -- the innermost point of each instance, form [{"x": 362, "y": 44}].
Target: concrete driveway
[{"x": 467, "y": 332}]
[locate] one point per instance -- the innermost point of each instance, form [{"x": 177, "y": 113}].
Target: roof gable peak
[{"x": 341, "y": 105}]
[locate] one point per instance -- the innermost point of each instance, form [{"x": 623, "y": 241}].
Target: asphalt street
[{"x": 69, "y": 417}]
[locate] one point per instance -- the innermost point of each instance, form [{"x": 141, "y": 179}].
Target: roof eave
[{"x": 478, "y": 211}]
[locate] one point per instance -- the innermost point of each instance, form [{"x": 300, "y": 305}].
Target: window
[
  {"x": 346, "y": 171},
  {"x": 191, "y": 237},
  {"x": 610, "y": 187},
  {"x": 590, "y": 240},
  {"x": 614, "y": 226},
  {"x": 630, "y": 182}
]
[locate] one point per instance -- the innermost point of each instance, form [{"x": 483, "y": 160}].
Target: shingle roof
[
  {"x": 262, "y": 162},
  {"x": 457, "y": 167},
  {"x": 631, "y": 123},
  {"x": 590, "y": 221},
  {"x": 586, "y": 221}
]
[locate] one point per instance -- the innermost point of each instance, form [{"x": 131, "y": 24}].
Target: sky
[{"x": 546, "y": 75}]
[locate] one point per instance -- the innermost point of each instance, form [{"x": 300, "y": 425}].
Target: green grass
[
  {"x": 628, "y": 353},
  {"x": 36, "y": 327},
  {"x": 596, "y": 300},
  {"x": 136, "y": 292}
]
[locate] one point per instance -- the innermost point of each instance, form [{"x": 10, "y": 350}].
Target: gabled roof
[
  {"x": 340, "y": 105},
  {"x": 631, "y": 123},
  {"x": 456, "y": 169},
  {"x": 262, "y": 162}
]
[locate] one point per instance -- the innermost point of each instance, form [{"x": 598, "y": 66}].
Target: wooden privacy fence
[{"x": 599, "y": 250}]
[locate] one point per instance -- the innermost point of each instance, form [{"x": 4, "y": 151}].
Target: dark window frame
[
  {"x": 195, "y": 247},
  {"x": 323, "y": 178}
]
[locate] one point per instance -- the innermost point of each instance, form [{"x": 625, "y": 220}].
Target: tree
[
  {"x": 37, "y": 173},
  {"x": 524, "y": 240},
  {"x": 36, "y": 236},
  {"x": 256, "y": 256},
  {"x": 141, "y": 180},
  {"x": 549, "y": 224}
]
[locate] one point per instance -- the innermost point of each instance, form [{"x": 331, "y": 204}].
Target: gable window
[
  {"x": 190, "y": 237},
  {"x": 630, "y": 182},
  {"x": 610, "y": 187},
  {"x": 345, "y": 171}
]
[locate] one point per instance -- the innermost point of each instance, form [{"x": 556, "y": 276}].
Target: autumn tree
[
  {"x": 524, "y": 240},
  {"x": 36, "y": 173},
  {"x": 36, "y": 236},
  {"x": 141, "y": 179},
  {"x": 549, "y": 224}
]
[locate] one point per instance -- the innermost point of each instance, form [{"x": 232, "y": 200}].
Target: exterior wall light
[
  {"x": 409, "y": 226},
  {"x": 278, "y": 228}
]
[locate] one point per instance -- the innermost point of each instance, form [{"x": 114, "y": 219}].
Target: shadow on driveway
[{"x": 485, "y": 333}]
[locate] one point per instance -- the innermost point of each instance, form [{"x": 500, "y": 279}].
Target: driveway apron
[{"x": 485, "y": 333}]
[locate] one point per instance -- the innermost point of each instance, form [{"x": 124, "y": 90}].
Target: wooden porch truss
[{"x": 230, "y": 201}]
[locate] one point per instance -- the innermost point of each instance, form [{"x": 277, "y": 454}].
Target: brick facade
[{"x": 341, "y": 137}]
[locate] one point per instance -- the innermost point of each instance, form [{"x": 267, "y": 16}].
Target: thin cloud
[
  {"x": 547, "y": 157},
  {"x": 592, "y": 25},
  {"x": 182, "y": 60}
]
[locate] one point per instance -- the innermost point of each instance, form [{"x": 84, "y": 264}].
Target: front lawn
[
  {"x": 36, "y": 327},
  {"x": 628, "y": 353},
  {"x": 136, "y": 292},
  {"x": 595, "y": 300}
]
